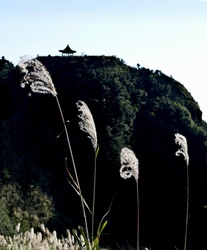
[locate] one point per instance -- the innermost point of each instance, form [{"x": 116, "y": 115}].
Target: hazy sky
[{"x": 168, "y": 35}]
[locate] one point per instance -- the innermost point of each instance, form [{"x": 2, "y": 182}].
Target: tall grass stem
[
  {"x": 187, "y": 209},
  {"x": 74, "y": 167},
  {"x": 94, "y": 193},
  {"x": 137, "y": 186}
]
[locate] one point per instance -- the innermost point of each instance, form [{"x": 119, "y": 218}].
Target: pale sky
[{"x": 166, "y": 35}]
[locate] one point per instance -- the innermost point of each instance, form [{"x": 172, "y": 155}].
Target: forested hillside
[{"x": 133, "y": 107}]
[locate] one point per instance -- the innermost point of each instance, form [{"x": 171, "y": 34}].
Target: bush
[
  {"x": 6, "y": 227},
  {"x": 31, "y": 208}
]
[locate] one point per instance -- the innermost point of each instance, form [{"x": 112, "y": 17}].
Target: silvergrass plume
[
  {"x": 182, "y": 142},
  {"x": 129, "y": 164},
  {"x": 36, "y": 76},
  {"x": 86, "y": 123},
  {"x": 40, "y": 81},
  {"x": 130, "y": 167}
]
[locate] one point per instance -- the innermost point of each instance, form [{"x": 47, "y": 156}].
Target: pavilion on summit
[{"x": 67, "y": 51}]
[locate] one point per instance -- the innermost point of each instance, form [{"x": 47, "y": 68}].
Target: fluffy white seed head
[
  {"x": 3, "y": 241},
  {"x": 182, "y": 142},
  {"x": 42, "y": 227},
  {"x": 129, "y": 164},
  {"x": 36, "y": 76},
  {"x": 86, "y": 123},
  {"x": 17, "y": 228}
]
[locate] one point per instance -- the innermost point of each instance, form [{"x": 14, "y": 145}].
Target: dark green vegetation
[{"x": 133, "y": 107}]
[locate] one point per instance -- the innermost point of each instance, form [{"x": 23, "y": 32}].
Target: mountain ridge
[{"x": 134, "y": 107}]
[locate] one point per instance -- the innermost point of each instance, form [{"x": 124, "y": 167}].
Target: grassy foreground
[{"x": 44, "y": 240}]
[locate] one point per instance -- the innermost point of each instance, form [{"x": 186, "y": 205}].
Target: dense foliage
[{"x": 134, "y": 107}]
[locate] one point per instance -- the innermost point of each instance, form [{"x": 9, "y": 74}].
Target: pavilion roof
[{"x": 67, "y": 50}]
